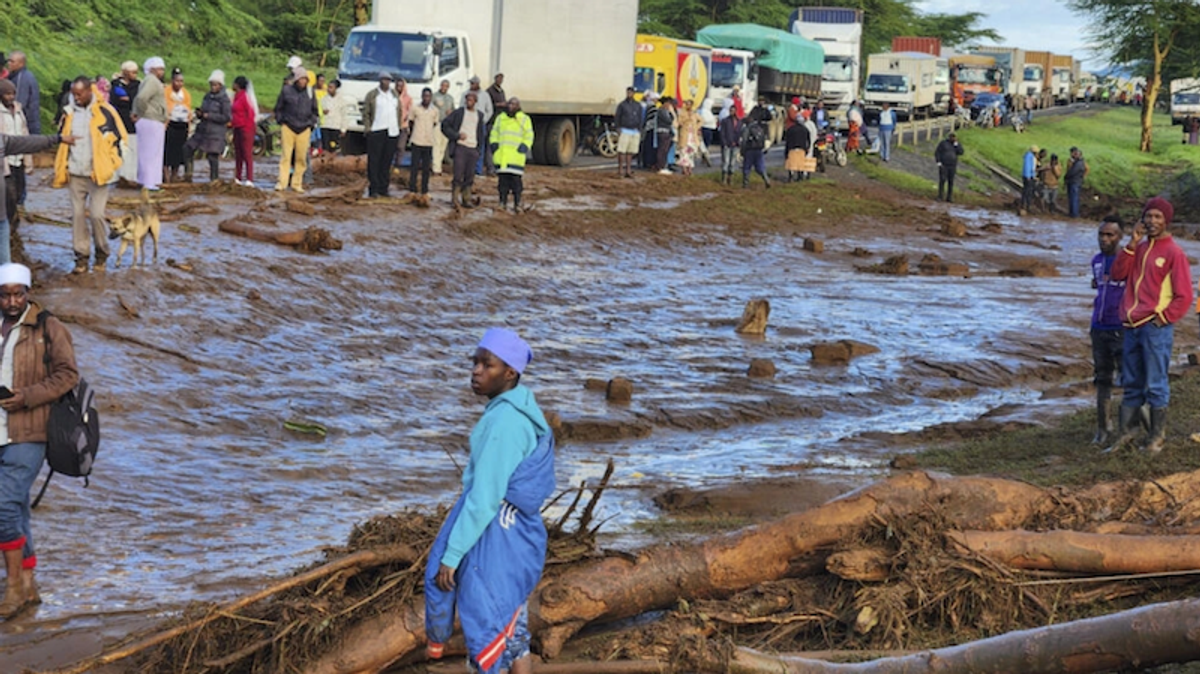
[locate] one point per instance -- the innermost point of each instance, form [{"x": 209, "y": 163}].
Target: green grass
[
  {"x": 1109, "y": 141},
  {"x": 1062, "y": 453},
  {"x": 901, "y": 180}
]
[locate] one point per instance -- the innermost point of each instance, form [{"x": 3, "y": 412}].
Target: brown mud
[{"x": 201, "y": 492}]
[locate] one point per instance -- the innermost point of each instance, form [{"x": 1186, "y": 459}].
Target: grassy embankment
[
  {"x": 67, "y": 38},
  {"x": 1108, "y": 137},
  {"x": 1062, "y": 454}
]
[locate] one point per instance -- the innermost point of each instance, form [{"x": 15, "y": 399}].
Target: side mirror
[
  {"x": 660, "y": 83},
  {"x": 753, "y": 75},
  {"x": 912, "y": 88},
  {"x": 438, "y": 45}
]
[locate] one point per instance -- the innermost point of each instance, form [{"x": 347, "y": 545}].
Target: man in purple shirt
[{"x": 1107, "y": 332}]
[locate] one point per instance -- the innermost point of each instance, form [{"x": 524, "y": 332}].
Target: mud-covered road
[{"x": 200, "y": 492}]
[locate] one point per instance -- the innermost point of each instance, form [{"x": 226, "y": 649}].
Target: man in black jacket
[
  {"x": 465, "y": 129},
  {"x": 947, "y": 153},
  {"x": 629, "y": 126},
  {"x": 296, "y": 113}
]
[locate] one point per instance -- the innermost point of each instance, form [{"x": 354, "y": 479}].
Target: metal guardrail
[{"x": 941, "y": 126}]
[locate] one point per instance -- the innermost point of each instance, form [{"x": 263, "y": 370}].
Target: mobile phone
[{"x": 5, "y": 393}]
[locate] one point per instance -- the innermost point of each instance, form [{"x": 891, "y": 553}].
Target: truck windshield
[
  {"x": 977, "y": 75},
  {"x": 727, "y": 71},
  {"x": 887, "y": 84},
  {"x": 943, "y": 75},
  {"x": 1033, "y": 74},
  {"x": 407, "y": 55},
  {"x": 838, "y": 69},
  {"x": 1186, "y": 99}
]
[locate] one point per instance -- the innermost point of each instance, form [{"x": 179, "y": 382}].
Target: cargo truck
[
  {"x": 924, "y": 45},
  {"x": 670, "y": 67},
  {"x": 1046, "y": 62},
  {"x": 905, "y": 80},
  {"x": 839, "y": 31},
  {"x": 972, "y": 74},
  {"x": 941, "y": 95},
  {"x": 454, "y": 40},
  {"x": 785, "y": 65},
  {"x": 1060, "y": 83},
  {"x": 1033, "y": 82},
  {"x": 1185, "y": 99},
  {"x": 1012, "y": 61},
  {"x": 733, "y": 68}
]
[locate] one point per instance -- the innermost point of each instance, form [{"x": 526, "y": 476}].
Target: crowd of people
[{"x": 1041, "y": 177}]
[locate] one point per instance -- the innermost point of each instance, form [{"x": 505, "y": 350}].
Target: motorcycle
[
  {"x": 266, "y": 139},
  {"x": 600, "y": 138},
  {"x": 830, "y": 148}
]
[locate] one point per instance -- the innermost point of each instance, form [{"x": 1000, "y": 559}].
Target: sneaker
[
  {"x": 80, "y": 268},
  {"x": 665, "y": 172},
  {"x": 280, "y": 188}
]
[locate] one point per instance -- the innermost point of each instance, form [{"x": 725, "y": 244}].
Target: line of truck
[{"x": 818, "y": 57}]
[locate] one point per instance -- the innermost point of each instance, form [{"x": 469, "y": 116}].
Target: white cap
[
  {"x": 13, "y": 273},
  {"x": 294, "y": 62},
  {"x": 217, "y": 76}
]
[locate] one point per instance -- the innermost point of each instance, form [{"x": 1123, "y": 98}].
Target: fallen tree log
[
  {"x": 358, "y": 560},
  {"x": 1148, "y": 636},
  {"x": 339, "y": 163},
  {"x": 1084, "y": 552},
  {"x": 621, "y": 587},
  {"x": 311, "y": 240}
]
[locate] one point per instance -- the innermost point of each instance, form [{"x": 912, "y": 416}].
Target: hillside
[{"x": 68, "y": 38}]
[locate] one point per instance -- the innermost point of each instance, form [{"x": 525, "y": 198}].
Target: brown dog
[{"x": 133, "y": 228}]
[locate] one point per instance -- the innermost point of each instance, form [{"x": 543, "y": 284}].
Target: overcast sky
[{"x": 1037, "y": 25}]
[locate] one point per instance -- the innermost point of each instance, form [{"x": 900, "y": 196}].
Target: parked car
[{"x": 986, "y": 100}]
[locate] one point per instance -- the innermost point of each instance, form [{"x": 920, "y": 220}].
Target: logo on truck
[{"x": 693, "y": 79}]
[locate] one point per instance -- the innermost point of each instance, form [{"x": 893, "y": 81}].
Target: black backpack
[{"x": 73, "y": 430}]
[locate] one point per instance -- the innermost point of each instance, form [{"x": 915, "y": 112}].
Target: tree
[{"x": 1147, "y": 31}]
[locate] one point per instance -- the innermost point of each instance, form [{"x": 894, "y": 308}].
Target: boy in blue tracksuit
[{"x": 488, "y": 557}]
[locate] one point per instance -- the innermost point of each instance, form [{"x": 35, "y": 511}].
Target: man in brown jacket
[{"x": 30, "y": 379}]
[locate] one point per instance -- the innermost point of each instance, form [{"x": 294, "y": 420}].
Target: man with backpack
[
  {"x": 37, "y": 367},
  {"x": 754, "y": 143}
]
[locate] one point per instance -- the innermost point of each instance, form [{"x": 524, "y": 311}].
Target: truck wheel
[
  {"x": 538, "y": 154},
  {"x": 560, "y": 142}
]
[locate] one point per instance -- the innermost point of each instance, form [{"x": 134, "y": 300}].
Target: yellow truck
[{"x": 670, "y": 67}]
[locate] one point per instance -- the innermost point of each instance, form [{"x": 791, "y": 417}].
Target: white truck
[
  {"x": 1185, "y": 99},
  {"x": 567, "y": 60},
  {"x": 733, "y": 68},
  {"x": 1033, "y": 81},
  {"x": 905, "y": 80},
  {"x": 839, "y": 30}
]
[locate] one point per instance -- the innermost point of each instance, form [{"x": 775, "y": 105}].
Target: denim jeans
[
  {"x": 756, "y": 160},
  {"x": 1073, "y": 198},
  {"x": 20, "y": 464},
  {"x": 885, "y": 142},
  {"x": 5, "y": 244},
  {"x": 1144, "y": 363},
  {"x": 728, "y": 159}
]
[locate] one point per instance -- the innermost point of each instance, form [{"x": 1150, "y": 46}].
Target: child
[{"x": 488, "y": 557}]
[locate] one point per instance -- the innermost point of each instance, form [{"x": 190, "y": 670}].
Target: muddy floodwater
[{"x": 200, "y": 492}]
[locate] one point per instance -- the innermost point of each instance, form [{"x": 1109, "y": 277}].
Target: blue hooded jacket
[{"x": 494, "y": 536}]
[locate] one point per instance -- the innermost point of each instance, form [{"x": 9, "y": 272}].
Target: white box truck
[
  {"x": 1185, "y": 99},
  {"x": 567, "y": 60},
  {"x": 905, "y": 80},
  {"x": 733, "y": 68},
  {"x": 839, "y": 31}
]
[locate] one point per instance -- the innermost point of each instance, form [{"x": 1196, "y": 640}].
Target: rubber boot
[
  {"x": 1126, "y": 428},
  {"x": 745, "y": 181},
  {"x": 1103, "y": 394},
  {"x": 32, "y": 596},
  {"x": 466, "y": 197},
  {"x": 14, "y": 589},
  {"x": 516, "y": 204},
  {"x": 766, "y": 181},
  {"x": 504, "y": 203},
  {"x": 1158, "y": 430},
  {"x": 454, "y": 196}
]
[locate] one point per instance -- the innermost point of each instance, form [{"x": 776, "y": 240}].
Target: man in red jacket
[{"x": 1158, "y": 292}]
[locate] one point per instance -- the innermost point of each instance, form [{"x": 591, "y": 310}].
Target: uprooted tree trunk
[
  {"x": 620, "y": 587},
  {"x": 1149, "y": 636},
  {"x": 310, "y": 240},
  {"x": 1083, "y": 552}
]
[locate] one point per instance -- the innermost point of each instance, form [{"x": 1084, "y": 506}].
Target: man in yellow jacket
[
  {"x": 511, "y": 138},
  {"x": 88, "y": 168}
]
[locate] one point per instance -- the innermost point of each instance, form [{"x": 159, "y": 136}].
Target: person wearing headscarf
[
  {"x": 149, "y": 115},
  {"x": 244, "y": 121},
  {"x": 213, "y": 116},
  {"x": 121, "y": 96},
  {"x": 489, "y": 554},
  {"x": 1158, "y": 293},
  {"x": 179, "y": 121}
]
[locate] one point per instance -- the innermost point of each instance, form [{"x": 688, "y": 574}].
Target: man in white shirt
[{"x": 381, "y": 121}]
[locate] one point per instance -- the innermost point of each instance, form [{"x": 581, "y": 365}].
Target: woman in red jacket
[{"x": 244, "y": 123}]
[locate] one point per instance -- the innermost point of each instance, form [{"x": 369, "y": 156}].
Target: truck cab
[
  {"x": 422, "y": 58},
  {"x": 1061, "y": 79},
  {"x": 1032, "y": 79},
  {"x": 1185, "y": 99},
  {"x": 733, "y": 68}
]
